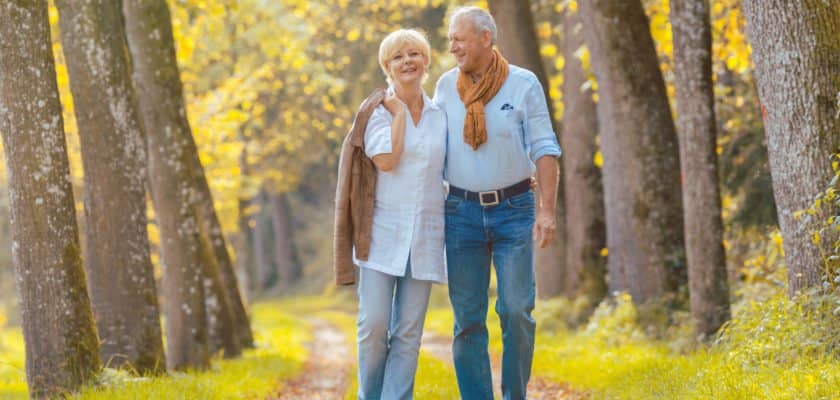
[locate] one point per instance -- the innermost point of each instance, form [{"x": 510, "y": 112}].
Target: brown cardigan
[{"x": 355, "y": 192}]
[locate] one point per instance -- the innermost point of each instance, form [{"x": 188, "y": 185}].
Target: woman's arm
[{"x": 388, "y": 161}]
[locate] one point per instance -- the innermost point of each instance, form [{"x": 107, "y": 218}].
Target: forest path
[
  {"x": 325, "y": 375},
  {"x": 440, "y": 347}
]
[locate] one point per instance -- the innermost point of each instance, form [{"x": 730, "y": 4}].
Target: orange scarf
[{"x": 476, "y": 94}]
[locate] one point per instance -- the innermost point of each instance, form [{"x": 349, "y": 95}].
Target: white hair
[{"x": 480, "y": 18}]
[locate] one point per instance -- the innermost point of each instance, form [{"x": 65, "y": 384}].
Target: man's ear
[{"x": 487, "y": 39}]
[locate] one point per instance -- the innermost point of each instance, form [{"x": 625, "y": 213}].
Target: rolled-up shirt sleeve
[
  {"x": 539, "y": 134},
  {"x": 378, "y": 133}
]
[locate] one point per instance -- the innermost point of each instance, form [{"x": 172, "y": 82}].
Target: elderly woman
[{"x": 406, "y": 139}]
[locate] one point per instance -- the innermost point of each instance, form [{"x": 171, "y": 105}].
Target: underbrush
[{"x": 778, "y": 349}]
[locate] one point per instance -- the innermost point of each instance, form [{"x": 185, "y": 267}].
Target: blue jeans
[
  {"x": 475, "y": 235},
  {"x": 391, "y": 314}
]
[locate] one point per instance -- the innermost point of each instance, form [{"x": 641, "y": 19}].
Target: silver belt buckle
[{"x": 483, "y": 203}]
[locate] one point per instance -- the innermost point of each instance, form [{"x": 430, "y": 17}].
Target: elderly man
[{"x": 499, "y": 134}]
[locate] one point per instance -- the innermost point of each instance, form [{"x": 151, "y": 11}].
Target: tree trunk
[
  {"x": 170, "y": 171},
  {"x": 585, "y": 230},
  {"x": 212, "y": 227},
  {"x": 263, "y": 277},
  {"x": 222, "y": 334},
  {"x": 116, "y": 251},
  {"x": 245, "y": 243},
  {"x": 62, "y": 348},
  {"x": 708, "y": 289},
  {"x": 285, "y": 253},
  {"x": 518, "y": 42},
  {"x": 796, "y": 48},
  {"x": 641, "y": 159}
]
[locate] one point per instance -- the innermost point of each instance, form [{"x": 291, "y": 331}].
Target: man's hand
[{"x": 544, "y": 227}]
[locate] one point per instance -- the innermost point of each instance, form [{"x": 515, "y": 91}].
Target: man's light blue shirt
[{"x": 519, "y": 132}]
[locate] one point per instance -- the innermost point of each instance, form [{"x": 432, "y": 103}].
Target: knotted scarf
[{"x": 475, "y": 95}]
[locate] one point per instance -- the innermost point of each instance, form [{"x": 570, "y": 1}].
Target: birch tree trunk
[
  {"x": 796, "y": 48},
  {"x": 62, "y": 348},
  {"x": 168, "y": 133},
  {"x": 641, "y": 158},
  {"x": 116, "y": 251}
]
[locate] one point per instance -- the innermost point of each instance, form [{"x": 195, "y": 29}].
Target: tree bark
[
  {"x": 708, "y": 288},
  {"x": 796, "y": 48},
  {"x": 116, "y": 251},
  {"x": 585, "y": 229},
  {"x": 62, "y": 348},
  {"x": 168, "y": 133},
  {"x": 245, "y": 243},
  {"x": 518, "y": 42},
  {"x": 220, "y": 257},
  {"x": 285, "y": 253},
  {"x": 221, "y": 328},
  {"x": 263, "y": 276},
  {"x": 641, "y": 159}
]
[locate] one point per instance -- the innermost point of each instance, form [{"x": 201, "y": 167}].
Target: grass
[
  {"x": 759, "y": 356},
  {"x": 778, "y": 349},
  {"x": 12, "y": 373},
  {"x": 280, "y": 354}
]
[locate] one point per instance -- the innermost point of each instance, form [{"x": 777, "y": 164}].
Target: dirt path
[
  {"x": 325, "y": 374},
  {"x": 440, "y": 347}
]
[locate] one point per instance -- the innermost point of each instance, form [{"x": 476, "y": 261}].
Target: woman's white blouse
[{"x": 408, "y": 212}]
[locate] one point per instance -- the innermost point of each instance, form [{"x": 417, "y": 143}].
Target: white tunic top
[{"x": 408, "y": 211}]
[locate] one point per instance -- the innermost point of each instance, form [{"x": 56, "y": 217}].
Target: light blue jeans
[
  {"x": 390, "y": 324},
  {"x": 475, "y": 235}
]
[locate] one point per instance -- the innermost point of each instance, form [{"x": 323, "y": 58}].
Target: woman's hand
[{"x": 393, "y": 103}]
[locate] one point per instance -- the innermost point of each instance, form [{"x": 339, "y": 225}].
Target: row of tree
[
  {"x": 134, "y": 136},
  {"x": 656, "y": 203}
]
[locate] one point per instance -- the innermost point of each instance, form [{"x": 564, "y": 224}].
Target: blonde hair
[{"x": 399, "y": 39}]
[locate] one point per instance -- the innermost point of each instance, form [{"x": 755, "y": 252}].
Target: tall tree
[
  {"x": 221, "y": 327},
  {"x": 159, "y": 94},
  {"x": 518, "y": 42},
  {"x": 641, "y": 158},
  {"x": 116, "y": 251},
  {"x": 62, "y": 348},
  {"x": 285, "y": 253},
  {"x": 263, "y": 261},
  {"x": 245, "y": 242},
  {"x": 220, "y": 264},
  {"x": 585, "y": 229},
  {"x": 796, "y": 48},
  {"x": 708, "y": 289}
]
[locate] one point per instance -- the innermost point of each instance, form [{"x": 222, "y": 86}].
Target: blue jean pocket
[
  {"x": 453, "y": 204},
  {"x": 524, "y": 201}
]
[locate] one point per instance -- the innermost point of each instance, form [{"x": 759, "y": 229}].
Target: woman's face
[{"x": 407, "y": 65}]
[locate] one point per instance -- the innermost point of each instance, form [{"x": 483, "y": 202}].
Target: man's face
[{"x": 467, "y": 44}]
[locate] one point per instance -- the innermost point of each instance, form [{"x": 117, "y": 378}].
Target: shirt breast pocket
[{"x": 511, "y": 125}]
